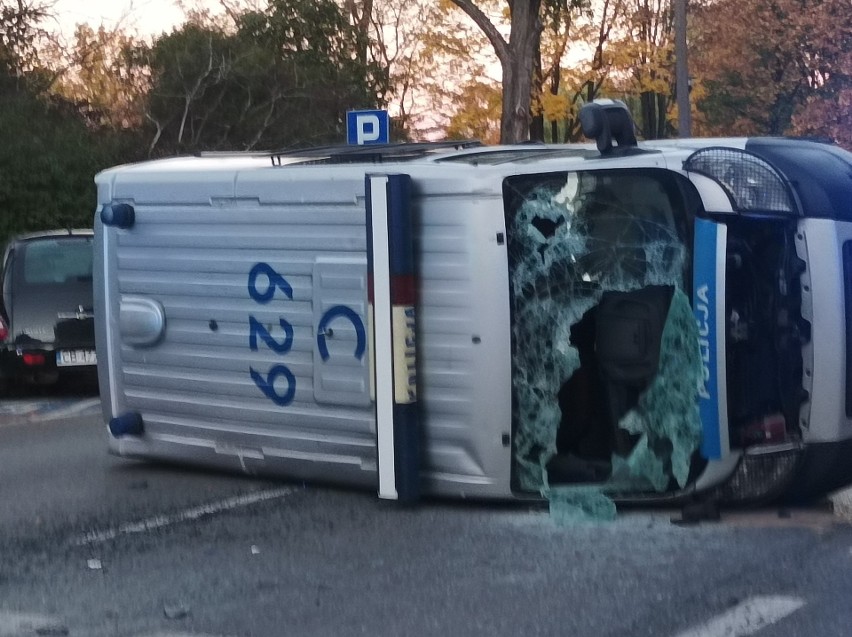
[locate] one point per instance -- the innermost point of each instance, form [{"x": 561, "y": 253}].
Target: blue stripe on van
[
  {"x": 399, "y": 221},
  {"x": 369, "y": 199},
  {"x": 704, "y": 306},
  {"x": 406, "y": 438}
]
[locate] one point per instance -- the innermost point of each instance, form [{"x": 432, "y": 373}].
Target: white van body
[{"x": 184, "y": 344}]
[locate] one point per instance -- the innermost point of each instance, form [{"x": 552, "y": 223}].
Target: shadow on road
[
  {"x": 67, "y": 388},
  {"x": 71, "y": 397}
]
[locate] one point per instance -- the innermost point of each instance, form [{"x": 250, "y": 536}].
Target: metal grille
[
  {"x": 752, "y": 184},
  {"x": 761, "y": 478}
]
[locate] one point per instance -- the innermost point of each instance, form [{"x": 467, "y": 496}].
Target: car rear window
[{"x": 57, "y": 260}]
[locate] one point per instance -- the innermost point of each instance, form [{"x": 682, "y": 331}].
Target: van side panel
[
  {"x": 464, "y": 359},
  {"x": 260, "y": 366}
]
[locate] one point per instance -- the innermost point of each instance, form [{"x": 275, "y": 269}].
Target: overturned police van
[{"x": 635, "y": 321}]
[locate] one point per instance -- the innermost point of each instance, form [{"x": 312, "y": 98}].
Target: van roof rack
[{"x": 372, "y": 153}]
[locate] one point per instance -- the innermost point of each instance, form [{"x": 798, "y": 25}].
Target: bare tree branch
[{"x": 501, "y": 47}]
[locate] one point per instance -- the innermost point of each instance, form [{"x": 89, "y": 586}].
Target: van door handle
[{"x": 141, "y": 321}]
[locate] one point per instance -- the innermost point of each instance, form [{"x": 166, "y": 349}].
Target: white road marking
[
  {"x": 83, "y": 407},
  {"x": 747, "y": 618},
  {"x": 17, "y": 407},
  {"x": 167, "y": 634},
  {"x": 194, "y": 513},
  {"x": 14, "y": 624},
  {"x": 23, "y": 412}
]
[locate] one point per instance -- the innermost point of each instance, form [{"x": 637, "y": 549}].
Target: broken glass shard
[{"x": 605, "y": 363}]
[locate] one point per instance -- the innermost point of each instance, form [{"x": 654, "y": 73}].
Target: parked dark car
[{"x": 46, "y": 319}]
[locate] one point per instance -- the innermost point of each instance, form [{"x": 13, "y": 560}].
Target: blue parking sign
[{"x": 367, "y": 127}]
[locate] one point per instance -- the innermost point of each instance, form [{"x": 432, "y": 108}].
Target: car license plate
[{"x": 71, "y": 357}]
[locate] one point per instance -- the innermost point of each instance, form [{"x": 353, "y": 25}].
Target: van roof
[
  {"x": 452, "y": 156},
  {"x": 459, "y": 154}
]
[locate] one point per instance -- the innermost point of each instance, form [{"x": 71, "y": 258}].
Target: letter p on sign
[{"x": 367, "y": 127}]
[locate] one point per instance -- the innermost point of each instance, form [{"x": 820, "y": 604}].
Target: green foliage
[
  {"x": 48, "y": 161},
  {"x": 284, "y": 73},
  {"x": 49, "y": 156},
  {"x": 284, "y": 76},
  {"x": 477, "y": 113}
]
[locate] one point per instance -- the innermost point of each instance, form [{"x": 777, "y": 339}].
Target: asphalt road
[{"x": 96, "y": 546}]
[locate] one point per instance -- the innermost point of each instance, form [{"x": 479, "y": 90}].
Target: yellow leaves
[
  {"x": 651, "y": 82},
  {"x": 649, "y": 65},
  {"x": 753, "y": 64},
  {"x": 477, "y": 112},
  {"x": 556, "y": 107},
  {"x": 606, "y": 48}
]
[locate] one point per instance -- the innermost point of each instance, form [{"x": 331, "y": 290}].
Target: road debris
[{"x": 175, "y": 610}]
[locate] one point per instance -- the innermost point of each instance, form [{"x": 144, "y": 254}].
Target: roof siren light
[{"x": 607, "y": 121}]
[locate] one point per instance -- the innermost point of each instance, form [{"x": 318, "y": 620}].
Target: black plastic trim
[{"x": 847, "y": 294}]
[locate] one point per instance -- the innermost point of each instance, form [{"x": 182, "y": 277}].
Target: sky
[{"x": 148, "y": 17}]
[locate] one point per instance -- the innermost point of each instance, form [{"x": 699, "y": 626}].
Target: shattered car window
[{"x": 605, "y": 363}]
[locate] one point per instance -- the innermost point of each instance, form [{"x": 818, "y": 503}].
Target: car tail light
[
  {"x": 4, "y": 331},
  {"x": 767, "y": 430},
  {"x": 33, "y": 360}
]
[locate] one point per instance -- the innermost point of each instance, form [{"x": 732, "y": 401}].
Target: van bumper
[{"x": 765, "y": 473}]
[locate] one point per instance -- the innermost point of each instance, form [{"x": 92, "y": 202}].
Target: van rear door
[{"x": 217, "y": 294}]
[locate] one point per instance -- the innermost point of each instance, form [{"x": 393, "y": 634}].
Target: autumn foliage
[
  {"x": 255, "y": 74},
  {"x": 758, "y": 67},
  {"x": 773, "y": 67}
]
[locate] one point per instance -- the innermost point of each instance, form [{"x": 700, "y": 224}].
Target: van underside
[{"x": 605, "y": 343}]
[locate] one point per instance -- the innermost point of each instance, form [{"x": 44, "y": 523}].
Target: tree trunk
[
  {"x": 650, "y": 121},
  {"x": 517, "y": 57},
  {"x": 662, "y": 120},
  {"x": 359, "y": 16},
  {"x": 537, "y": 121},
  {"x": 554, "y": 90},
  {"x": 517, "y": 84},
  {"x": 555, "y": 76}
]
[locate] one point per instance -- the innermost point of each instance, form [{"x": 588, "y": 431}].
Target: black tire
[{"x": 823, "y": 468}]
